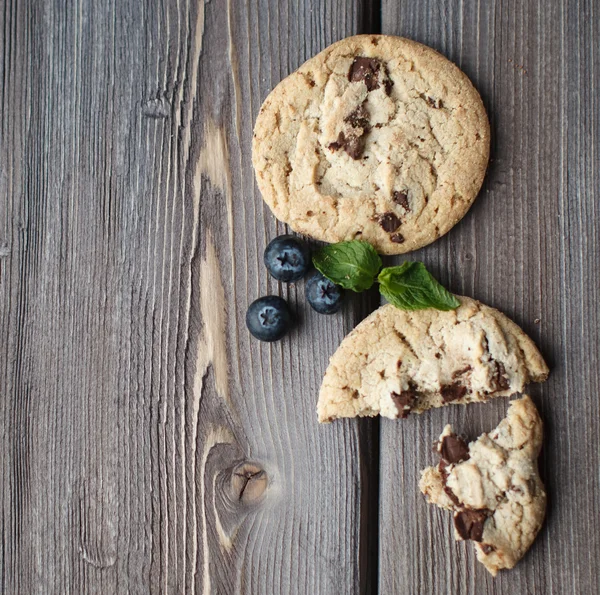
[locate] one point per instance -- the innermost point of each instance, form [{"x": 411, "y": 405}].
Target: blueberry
[
  {"x": 324, "y": 295},
  {"x": 268, "y": 318},
  {"x": 287, "y": 258}
]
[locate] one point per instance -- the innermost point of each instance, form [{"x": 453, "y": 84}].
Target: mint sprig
[
  {"x": 411, "y": 286},
  {"x": 355, "y": 265}
]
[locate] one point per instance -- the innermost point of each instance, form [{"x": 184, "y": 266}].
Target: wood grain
[
  {"x": 149, "y": 444},
  {"x": 529, "y": 246}
]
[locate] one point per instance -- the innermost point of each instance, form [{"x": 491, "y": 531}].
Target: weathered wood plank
[
  {"x": 140, "y": 422},
  {"x": 529, "y": 246},
  {"x": 304, "y": 537}
]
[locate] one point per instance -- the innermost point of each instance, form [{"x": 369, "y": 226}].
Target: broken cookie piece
[
  {"x": 399, "y": 362},
  {"x": 492, "y": 486}
]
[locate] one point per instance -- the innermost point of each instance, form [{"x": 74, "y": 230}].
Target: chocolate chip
[
  {"x": 359, "y": 118},
  {"x": 454, "y": 449},
  {"x": 339, "y": 143},
  {"x": 353, "y": 145},
  {"x": 404, "y": 401},
  {"x": 501, "y": 381},
  {"x": 462, "y": 371},
  {"x": 367, "y": 70},
  {"x": 469, "y": 524},
  {"x": 443, "y": 468},
  {"x": 443, "y": 465},
  {"x": 389, "y": 222},
  {"x": 487, "y": 548},
  {"x": 451, "y": 495},
  {"x": 401, "y": 198},
  {"x": 452, "y": 392},
  {"x": 434, "y": 103},
  {"x": 397, "y": 238},
  {"x": 372, "y": 71}
]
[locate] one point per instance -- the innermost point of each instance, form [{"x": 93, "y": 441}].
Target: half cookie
[
  {"x": 397, "y": 362},
  {"x": 492, "y": 486},
  {"x": 376, "y": 138}
]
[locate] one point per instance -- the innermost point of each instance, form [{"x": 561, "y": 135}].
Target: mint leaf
[
  {"x": 411, "y": 286},
  {"x": 353, "y": 264}
]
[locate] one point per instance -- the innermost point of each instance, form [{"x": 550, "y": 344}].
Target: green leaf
[
  {"x": 410, "y": 286},
  {"x": 353, "y": 265}
]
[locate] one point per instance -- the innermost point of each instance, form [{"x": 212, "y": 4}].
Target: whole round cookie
[{"x": 377, "y": 138}]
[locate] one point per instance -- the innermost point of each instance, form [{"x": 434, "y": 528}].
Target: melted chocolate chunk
[
  {"x": 359, "y": 118},
  {"x": 452, "y": 392},
  {"x": 443, "y": 467},
  {"x": 404, "y": 401},
  {"x": 367, "y": 70},
  {"x": 500, "y": 379},
  {"x": 451, "y": 495},
  {"x": 372, "y": 71},
  {"x": 389, "y": 222},
  {"x": 401, "y": 198},
  {"x": 469, "y": 524},
  {"x": 353, "y": 145},
  {"x": 339, "y": 143},
  {"x": 462, "y": 371},
  {"x": 454, "y": 449},
  {"x": 397, "y": 238}
]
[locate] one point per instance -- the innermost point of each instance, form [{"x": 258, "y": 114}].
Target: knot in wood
[{"x": 248, "y": 483}]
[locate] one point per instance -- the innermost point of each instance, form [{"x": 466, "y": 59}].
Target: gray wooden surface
[
  {"x": 148, "y": 445},
  {"x": 529, "y": 246}
]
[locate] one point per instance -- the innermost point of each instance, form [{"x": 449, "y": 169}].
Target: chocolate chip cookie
[
  {"x": 397, "y": 362},
  {"x": 376, "y": 138},
  {"x": 492, "y": 486}
]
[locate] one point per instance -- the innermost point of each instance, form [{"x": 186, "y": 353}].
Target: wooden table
[{"x": 148, "y": 443}]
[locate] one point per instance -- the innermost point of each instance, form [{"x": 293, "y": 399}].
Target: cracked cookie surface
[
  {"x": 377, "y": 138},
  {"x": 396, "y": 362},
  {"x": 492, "y": 486}
]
